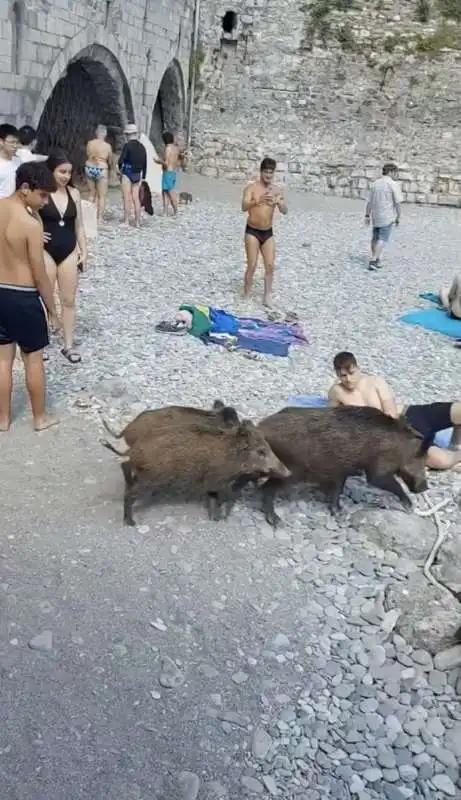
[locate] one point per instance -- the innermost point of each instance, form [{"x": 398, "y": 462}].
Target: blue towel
[
  {"x": 442, "y": 438},
  {"x": 308, "y": 401},
  {"x": 266, "y": 346},
  {"x": 434, "y": 319},
  {"x": 431, "y": 296}
]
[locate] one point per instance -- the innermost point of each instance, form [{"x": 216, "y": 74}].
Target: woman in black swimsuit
[{"x": 65, "y": 245}]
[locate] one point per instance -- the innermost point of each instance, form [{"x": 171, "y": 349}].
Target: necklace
[{"x": 62, "y": 221}]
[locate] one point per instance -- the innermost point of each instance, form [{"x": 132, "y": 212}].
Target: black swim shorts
[
  {"x": 261, "y": 234},
  {"x": 429, "y": 418},
  {"x": 22, "y": 318}
]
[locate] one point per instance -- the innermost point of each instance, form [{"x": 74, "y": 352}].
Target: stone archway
[
  {"x": 92, "y": 90},
  {"x": 169, "y": 108}
]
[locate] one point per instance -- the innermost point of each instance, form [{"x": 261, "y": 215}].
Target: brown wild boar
[
  {"x": 149, "y": 422},
  {"x": 197, "y": 460},
  {"x": 325, "y": 446}
]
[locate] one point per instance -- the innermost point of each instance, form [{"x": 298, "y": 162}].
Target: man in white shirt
[
  {"x": 8, "y": 160},
  {"x": 27, "y": 138},
  {"x": 383, "y": 208}
]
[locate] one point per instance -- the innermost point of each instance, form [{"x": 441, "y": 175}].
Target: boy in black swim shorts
[{"x": 25, "y": 291}]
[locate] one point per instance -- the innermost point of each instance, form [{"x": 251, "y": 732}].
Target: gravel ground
[{"x": 185, "y": 659}]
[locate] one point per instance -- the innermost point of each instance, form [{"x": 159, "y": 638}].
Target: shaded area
[
  {"x": 88, "y": 94},
  {"x": 168, "y": 113}
]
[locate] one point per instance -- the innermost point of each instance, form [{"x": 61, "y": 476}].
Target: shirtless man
[
  {"x": 169, "y": 164},
  {"x": 353, "y": 388},
  {"x": 25, "y": 291},
  {"x": 260, "y": 199},
  {"x": 98, "y": 159}
]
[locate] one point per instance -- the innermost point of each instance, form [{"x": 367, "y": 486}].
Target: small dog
[{"x": 185, "y": 198}]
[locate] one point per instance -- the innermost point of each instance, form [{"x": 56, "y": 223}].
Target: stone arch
[
  {"x": 86, "y": 85},
  {"x": 169, "y": 108}
]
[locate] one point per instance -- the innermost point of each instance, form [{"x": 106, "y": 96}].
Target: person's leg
[
  {"x": 7, "y": 353},
  {"x": 374, "y": 242},
  {"x": 455, "y": 416},
  {"x": 137, "y": 203},
  {"x": 126, "y": 195},
  {"x": 252, "y": 251},
  {"x": 440, "y": 459},
  {"x": 383, "y": 239},
  {"x": 101, "y": 193},
  {"x": 67, "y": 283},
  {"x": 268, "y": 254},
  {"x": 172, "y": 197},
  {"x": 165, "y": 203},
  {"x": 92, "y": 189},
  {"x": 36, "y": 387}
]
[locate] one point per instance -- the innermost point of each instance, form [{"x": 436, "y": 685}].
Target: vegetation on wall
[
  {"x": 318, "y": 22},
  {"x": 195, "y": 68},
  {"x": 423, "y": 11},
  {"x": 450, "y": 9}
]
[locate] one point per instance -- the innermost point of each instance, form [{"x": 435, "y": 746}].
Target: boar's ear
[
  {"x": 229, "y": 415},
  {"x": 218, "y": 405}
]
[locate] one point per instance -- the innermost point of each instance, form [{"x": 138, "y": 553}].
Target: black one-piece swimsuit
[{"x": 61, "y": 227}]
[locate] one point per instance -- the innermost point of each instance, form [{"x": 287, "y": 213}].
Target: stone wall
[
  {"x": 131, "y": 43},
  {"x": 332, "y": 94}
]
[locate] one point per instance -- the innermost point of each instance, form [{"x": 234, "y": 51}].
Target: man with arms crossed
[
  {"x": 353, "y": 388},
  {"x": 25, "y": 291},
  {"x": 260, "y": 199},
  {"x": 383, "y": 208}
]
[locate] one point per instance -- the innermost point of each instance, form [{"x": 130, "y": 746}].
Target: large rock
[
  {"x": 430, "y": 617},
  {"x": 405, "y": 533},
  {"x": 447, "y": 568}
]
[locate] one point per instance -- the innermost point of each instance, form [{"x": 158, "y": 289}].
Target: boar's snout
[
  {"x": 416, "y": 481},
  {"x": 274, "y": 467}
]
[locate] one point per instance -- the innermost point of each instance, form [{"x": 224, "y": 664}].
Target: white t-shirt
[
  {"x": 25, "y": 155},
  {"x": 385, "y": 195},
  {"x": 8, "y": 176}
]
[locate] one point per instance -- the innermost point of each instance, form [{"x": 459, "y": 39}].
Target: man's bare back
[
  {"x": 171, "y": 158},
  {"x": 370, "y": 390},
  {"x": 98, "y": 152},
  {"x": 17, "y": 225}
]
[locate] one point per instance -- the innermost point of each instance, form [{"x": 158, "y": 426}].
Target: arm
[
  {"x": 281, "y": 204},
  {"x": 368, "y": 208},
  {"x": 79, "y": 227},
  {"x": 248, "y": 200},
  {"x": 34, "y": 239},
  {"x": 334, "y": 398},
  {"x": 386, "y": 397},
  {"x": 397, "y": 201},
  {"x": 122, "y": 156}
]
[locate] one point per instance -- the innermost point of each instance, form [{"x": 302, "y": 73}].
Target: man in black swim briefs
[
  {"x": 353, "y": 388},
  {"x": 260, "y": 199},
  {"x": 25, "y": 290}
]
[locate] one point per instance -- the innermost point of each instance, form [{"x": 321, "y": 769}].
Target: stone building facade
[
  {"x": 66, "y": 65},
  {"x": 332, "y": 89}
]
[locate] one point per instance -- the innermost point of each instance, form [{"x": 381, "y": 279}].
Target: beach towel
[
  {"x": 251, "y": 333},
  {"x": 442, "y": 438},
  {"x": 434, "y": 319}
]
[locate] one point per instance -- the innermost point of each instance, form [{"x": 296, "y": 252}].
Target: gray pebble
[
  {"x": 434, "y": 727},
  {"x": 280, "y": 641},
  {"x": 444, "y": 784},
  {"x": 369, "y": 706},
  {"x": 43, "y": 641},
  {"x": 408, "y": 772},
  {"x": 270, "y": 784},
  {"x": 391, "y": 775},
  {"x": 240, "y": 677},
  {"x": 444, "y": 756},
  {"x": 386, "y": 757},
  {"x": 171, "y": 677},
  {"x": 422, "y": 657},
  {"x": 252, "y": 784},
  {"x": 189, "y": 785},
  {"x": 261, "y": 743}
]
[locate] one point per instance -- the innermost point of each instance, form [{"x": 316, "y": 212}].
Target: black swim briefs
[
  {"x": 429, "y": 418},
  {"x": 261, "y": 234},
  {"x": 22, "y": 318}
]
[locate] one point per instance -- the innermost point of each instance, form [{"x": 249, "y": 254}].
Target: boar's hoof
[
  {"x": 213, "y": 507},
  {"x": 273, "y": 519}
]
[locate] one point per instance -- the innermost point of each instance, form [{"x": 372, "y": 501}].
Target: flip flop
[{"x": 72, "y": 356}]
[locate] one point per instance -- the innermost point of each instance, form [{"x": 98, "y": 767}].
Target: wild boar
[
  {"x": 148, "y": 422},
  {"x": 197, "y": 460},
  {"x": 325, "y": 446}
]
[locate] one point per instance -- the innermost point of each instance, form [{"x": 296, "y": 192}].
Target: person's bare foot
[
  {"x": 267, "y": 302},
  {"x": 5, "y": 425},
  {"x": 44, "y": 423}
]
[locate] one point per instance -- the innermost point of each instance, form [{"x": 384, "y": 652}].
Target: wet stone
[
  {"x": 252, "y": 784},
  {"x": 444, "y": 784}
]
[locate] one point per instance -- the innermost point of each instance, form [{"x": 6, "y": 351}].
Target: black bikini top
[{"x": 50, "y": 213}]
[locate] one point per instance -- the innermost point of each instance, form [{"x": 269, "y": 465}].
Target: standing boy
[{"x": 383, "y": 209}]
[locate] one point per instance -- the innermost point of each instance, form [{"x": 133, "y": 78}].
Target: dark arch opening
[
  {"x": 229, "y": 22},
  {"x": 168, "y": 113},
  {"x": 87, "y": 95}
]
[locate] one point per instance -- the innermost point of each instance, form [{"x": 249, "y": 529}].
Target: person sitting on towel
[
  {"x": 353, "y": 388},
  {"x": 451, "y": 298}
]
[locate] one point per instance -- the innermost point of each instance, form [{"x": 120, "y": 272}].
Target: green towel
[{"x": 200, "y": 319}]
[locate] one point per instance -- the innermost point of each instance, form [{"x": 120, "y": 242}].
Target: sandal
[{"x": 72, "y": 356}]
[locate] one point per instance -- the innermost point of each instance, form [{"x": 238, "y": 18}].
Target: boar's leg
[
  {"x": 389, "y": 484},
  {"x": 128, "y": 501},
  {"x": 127, "y": 473},
  {"x": 335, "y": 492},
  {"x": 213, "y": 504},
  {"x": 269, "y": 491}
]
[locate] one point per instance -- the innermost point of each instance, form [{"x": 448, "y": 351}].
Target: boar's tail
[
  {"x": 110, "y": 430},
  {"x": 110, "y": 446}
]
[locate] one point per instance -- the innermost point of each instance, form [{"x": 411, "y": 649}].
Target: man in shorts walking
[
  {"x": 260, "y": 199},
  {"x": 169, "y": 164},
  {"x": 354, "y": 388},
  {"x": 25, "y": 291},
  {"x": 383, "y": 209}
]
